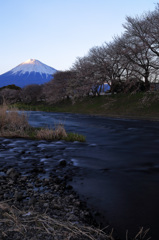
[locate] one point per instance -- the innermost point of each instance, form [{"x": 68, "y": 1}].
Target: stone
[
  {"x": 5, "y": 195},
  {"x": 18, "y": 196},
  {"x": 32, "y": 201},
  {"x": 62, "y": 163},
  {"x": 10, "y": 170},
  {"x": 30, "y": 185},
  {"x": 77, "y": 203},
  {"x": 46, "y": 205},
  {"x": 12, "y": 173},
  {"x": 72, "y": 217},
  {"x": 24, "y": 178}
]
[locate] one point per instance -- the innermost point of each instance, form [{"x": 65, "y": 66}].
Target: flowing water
[{"x": 118, "y": 166}]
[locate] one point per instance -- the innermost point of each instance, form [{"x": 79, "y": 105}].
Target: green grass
[
  {"x": 139, "y": 105},
  {"x": 71, "y": 137}
]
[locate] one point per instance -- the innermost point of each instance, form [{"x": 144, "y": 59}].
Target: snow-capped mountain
[{"x": 30, "y": 72}]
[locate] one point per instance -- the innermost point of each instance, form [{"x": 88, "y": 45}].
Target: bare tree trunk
[{"x": 147, "y": 83}]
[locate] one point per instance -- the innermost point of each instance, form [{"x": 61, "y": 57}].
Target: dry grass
[
  {"x": 15, "y": 124},
  {"x": 50, "y": 134},
  {"x": 12, "y": 123},
  {"x": 31, "y": 223},
  {"x": 60, "y": 131},
  {"x": 24, "y": 223},
  {"x": 47, "y": 134}
]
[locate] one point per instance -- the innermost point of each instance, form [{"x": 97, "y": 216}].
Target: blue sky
[{"x": 57, "y": 31}]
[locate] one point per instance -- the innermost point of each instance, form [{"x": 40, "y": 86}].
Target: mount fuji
[{"x": 30, "y": 72}]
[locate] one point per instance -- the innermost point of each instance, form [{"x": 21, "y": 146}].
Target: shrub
[{"x": 13, "y": 123}]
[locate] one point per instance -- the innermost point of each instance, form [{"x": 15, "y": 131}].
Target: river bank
[
  {"x": 14, "y": 124},
  {"x": 36, "y": 204},
  {"x": 132, "y": 106},
  {"x": 37, "y": 200},
  {"x": 42, "y": 208},
  {"x": 111, "y": 165}
]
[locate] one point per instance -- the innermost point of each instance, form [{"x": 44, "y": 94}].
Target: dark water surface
[{"x": 118, "y": 166}]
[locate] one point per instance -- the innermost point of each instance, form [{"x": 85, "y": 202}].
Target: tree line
[{"x": 128, "y": 63}]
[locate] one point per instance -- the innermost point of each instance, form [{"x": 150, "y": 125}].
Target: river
[{"x": 118, "y": 165}]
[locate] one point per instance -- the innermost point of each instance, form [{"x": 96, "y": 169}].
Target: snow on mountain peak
[
  {"x": 33, "y": 65},
  {"x": 31, "y": 61}
]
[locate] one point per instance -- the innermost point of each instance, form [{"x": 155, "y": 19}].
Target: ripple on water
[
  {"x": 43, "y": 160},
  {"x": 59, "y": 142},
  {"x": 42, "y": 145},
  {"x": 93, "y": 145},
  {"x": 74, "y": 162},
  {"x": 5, "y": 154},
  {"x": 70, "y": 149},
  {"x": 10, "y": 158}
]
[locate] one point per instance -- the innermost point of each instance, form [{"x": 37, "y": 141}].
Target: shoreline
[
  {"x": 32, "y": 189},
  {"x": 144, "y": 118},
  {"x": 51, "y": 206},
  {"x": 113, "y": 116},
  {"x": 110, "y": 116},
  {"x": 139, "y": 106},
  {"x": 34, "y": 207}
]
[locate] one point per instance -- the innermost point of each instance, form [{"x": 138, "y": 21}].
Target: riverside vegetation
[
  {"x": 144, "y": 105},
  {"x": 14, "y": 124}
]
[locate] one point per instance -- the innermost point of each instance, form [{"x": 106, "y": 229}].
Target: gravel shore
[
  {"x": 37, "y": 200},
  {"x": 34, "y": 207}
]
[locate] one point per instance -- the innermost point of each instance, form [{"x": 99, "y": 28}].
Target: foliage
[
  {"x": 12, "y": 86},
  {"x": 9, "y": 96},
  {"x": 130, "y": 86},
  {"x": 31, "y": 93},
  {"x": 56, "y": 90}
]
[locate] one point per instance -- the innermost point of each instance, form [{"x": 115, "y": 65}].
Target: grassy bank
[
  {"x": 14, "y": 124},
  {"x": 140, "y": 105}
]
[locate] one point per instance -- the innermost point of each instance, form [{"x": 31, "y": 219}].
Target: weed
[{"x": 71, "y": 137}]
